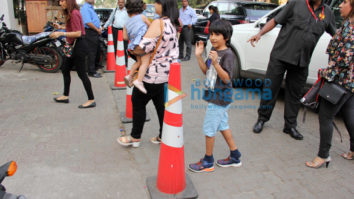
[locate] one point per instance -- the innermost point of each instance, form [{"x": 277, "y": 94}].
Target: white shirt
[{"x": 118, "y": 18}]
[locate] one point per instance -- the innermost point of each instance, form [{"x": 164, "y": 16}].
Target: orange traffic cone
[
  {"x": 171, "y": 177},
  {"x": 120, "y": 64},
  {"x": 111, "y": 60},
  {"x": 127, "y": 116}
]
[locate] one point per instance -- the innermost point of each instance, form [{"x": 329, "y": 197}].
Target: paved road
[{"x": 65, "y": 152}]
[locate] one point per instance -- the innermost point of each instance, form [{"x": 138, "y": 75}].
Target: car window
[
  {"x": 150, "y": 8},
  {"x": 236, "y": 10},
  {"x": 223, "y": 8}
]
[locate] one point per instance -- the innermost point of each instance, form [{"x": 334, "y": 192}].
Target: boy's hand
[
  {"x": 213, "y": 55},
  {"x": 199, "y": 48}
]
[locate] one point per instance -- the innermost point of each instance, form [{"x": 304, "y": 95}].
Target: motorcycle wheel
[
  {"x": 2, "y": 56},
  {"x": 57, "y": 63}
]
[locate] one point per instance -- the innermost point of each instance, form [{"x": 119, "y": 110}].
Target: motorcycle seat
[{"x": 30, "y": 39}]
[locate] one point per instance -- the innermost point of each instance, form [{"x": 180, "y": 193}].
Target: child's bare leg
[
  {"x": 128, "y": 79},
  {"x": 234, "y": 159},
  {"x": 143, "y": 67},
  {"x": 138, "y": 83},
  {"x": 229, "y": 139},
  {"x": 135, "y": 66},
  {"x": 209, "y": 145}
]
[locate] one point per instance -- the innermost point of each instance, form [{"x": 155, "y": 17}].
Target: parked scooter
[
  {"x": 8, "y": 169},
  {"x": 37, "y": 49}
]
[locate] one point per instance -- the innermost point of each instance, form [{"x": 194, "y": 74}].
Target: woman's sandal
[
  {"x": 155, "y": 140},
  {"x": 318, "y": 162},
  {"x": 127, "y": 141},
  {"x": 347, "y": 156}
]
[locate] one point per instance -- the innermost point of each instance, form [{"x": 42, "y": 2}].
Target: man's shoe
[
  {"x": 293, "y": 133},
  {"x": 180, "y": 57},
  {"x": 258, "y": 127},
  {"x": 186, "y": 58},
  {"x": 95, "y": 75}
]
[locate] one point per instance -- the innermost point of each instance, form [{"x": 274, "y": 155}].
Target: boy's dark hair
[
  {"x": 223, "y": 27},
  {"x": 170, "y": 10},
  {"x": 134, "y": 6}
]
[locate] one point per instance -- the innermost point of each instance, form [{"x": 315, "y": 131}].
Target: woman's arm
[
  {"x": 75, "y": 34},
  {"x": 153, "y": 32}
]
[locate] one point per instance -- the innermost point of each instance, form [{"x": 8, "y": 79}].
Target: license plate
[{"x": 57, "y": 43}]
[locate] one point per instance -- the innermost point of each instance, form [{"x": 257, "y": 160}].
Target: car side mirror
[{"x": 261, "y": 23}]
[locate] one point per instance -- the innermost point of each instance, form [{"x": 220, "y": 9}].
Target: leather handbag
[
  {"x": 206, "y": 29},
  {"x": 332, "y": 92},
  {"x": 68, "y": 49},
  {"x": 311, "y": 98}
]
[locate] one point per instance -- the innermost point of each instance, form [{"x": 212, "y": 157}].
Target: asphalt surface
[{"x": 66, "y": 152}]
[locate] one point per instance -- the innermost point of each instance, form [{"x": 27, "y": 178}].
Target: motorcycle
[
  {"x": 37, "y": 49},
  {"x": 8, "y": 169}
]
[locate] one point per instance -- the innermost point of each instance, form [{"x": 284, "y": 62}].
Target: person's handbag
[
  {"x": 332, "y": 92},
  {"x": 135, "y": 75},
  {"x": 311, "y": 98},
  {"x": 68, "y": 49},
  {"x": 206, "y": 29}
]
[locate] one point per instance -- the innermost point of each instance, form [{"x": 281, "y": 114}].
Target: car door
[{"x": 255, "y": 59}]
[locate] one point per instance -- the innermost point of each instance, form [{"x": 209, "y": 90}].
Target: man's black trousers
[
  {"x": 295, "y": 81},
  {"x": 92, "y": 42},
  {"x": 185, "y": 37}
]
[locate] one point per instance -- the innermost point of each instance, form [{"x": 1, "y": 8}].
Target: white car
[{"x": 252, "y": 61}]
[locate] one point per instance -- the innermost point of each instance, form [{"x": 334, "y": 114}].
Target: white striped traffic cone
[
  {"x": 120, "y": 64},
  {"x": 111, "y": 60},
  {"x": 171, "y": 177}
]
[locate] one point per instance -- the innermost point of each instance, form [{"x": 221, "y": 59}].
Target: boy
[{"x": 216, "y": 118}]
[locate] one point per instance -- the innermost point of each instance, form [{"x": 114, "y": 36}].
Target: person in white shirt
[{"x": 118, "y": 19}]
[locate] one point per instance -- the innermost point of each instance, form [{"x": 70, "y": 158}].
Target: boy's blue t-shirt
[{"x": 222, "y": 93}]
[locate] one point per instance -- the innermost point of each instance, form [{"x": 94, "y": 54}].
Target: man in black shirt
[{"x": 303, "y": 22}]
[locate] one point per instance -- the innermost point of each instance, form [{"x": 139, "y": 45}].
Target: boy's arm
[
  {"x": 224, "y": 76},
  {"x": 198, "y": 53}
]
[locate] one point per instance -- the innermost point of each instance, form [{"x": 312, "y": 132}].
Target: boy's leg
[
  {"x": 211, "y": 122},
  {"x": 143, "y": 66},
  {"x": 209, "y": 145},
  {"x": 229, "y": 139},
  {"x": 234, "y": 158}
]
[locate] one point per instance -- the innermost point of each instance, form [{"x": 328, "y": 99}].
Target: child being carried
[{"x": 134, "y": 30}]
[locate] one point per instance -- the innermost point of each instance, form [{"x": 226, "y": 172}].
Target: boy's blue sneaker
[
  {"x": 202, "y": 166},
  {"x": 229, "y": 162}
]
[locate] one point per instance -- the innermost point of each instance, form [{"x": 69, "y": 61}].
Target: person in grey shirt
[
  {"x": 117, "y": 20},
  {"x": 303, "y": 22}
]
